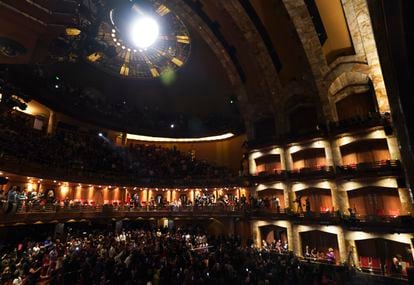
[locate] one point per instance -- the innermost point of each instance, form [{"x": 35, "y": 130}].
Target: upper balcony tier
[
  {"x": 77, "y": 212},
  {"x": 324, "y": 130},
  {"x": 88, "y": 158},
  {"x": 365, "y": 169}
]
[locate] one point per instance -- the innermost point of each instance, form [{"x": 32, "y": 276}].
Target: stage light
[
  {"x": 144, "y": 32},
  {"x": 172, "y": 126},
  {"x": 100, "y": 134}
]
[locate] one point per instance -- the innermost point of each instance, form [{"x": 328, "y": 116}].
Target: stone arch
[
  {"x": 348, "y": 80},
  {"x": 351, "y": 87},
  {"x": 185, "y": 12},
  {"x": 302, "y": 22}
]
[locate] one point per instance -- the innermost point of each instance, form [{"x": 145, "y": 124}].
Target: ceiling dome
[{"x": 136, "y": 39}]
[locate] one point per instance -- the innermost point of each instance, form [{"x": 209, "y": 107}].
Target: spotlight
[
  {"x": 172, "y": 126},
  {"x": 144, "y": 32},
  {"x": 100, "y": 134}
]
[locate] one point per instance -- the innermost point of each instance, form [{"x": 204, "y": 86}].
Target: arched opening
[
  {"x": 356, "y": 105},
  {"x": 380, "y": 201},
  {"x": 320, "y": 200},
  {"x": 377, "y": 254},
  {"x": 318, "y": 243},
  {"x": 365, "y": 151},
  {"x": 309, "y": 158}
]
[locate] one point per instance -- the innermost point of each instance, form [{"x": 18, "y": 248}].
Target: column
[
  {"x": 124, "y": 139},
  {"x": 288, "y": 160},
  {"x": 257, "y": 239},
  {"x": 393, "y": 148},
  {"x": 296, "y": 242},
  {"x": 339, "y": 198},
  {"x": 405, "y": 198},
  {"x": 342, "y": 245},
  {"x": 336, "y": 153},
  {"x": 282, "y": 159},
  {"x": 289, "y": 196},
  {"x": 328, "y": 153},
  {"x": 350, "y": 245},
  {"x": 369, "y": 45},
  {"x": 290, "y": 237},
  {"x": 342, "y": 197},
  {"x": 51, "y": 122}
]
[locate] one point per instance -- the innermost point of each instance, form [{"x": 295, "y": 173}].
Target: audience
[
  {"x": 93, "y": 153},
  {"x": 153, "y": 256}
]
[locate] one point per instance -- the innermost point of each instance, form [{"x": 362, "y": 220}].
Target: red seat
[
  {"x": 364, "y": 261},
  {"x": 376, "y": 263}
]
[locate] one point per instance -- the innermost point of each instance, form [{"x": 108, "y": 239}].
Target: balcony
[
  {"x": 352, "y": 124},
  {"x": 269, "y": 176},
  {"x": 88, "y": 176},
  {"x": 317, "y": 172},
  {"x": 324, "y": 130},
  {"x": 364, "y": 169},
  {"x": 81, "y": 213},
  {"x": 381, "y": 223}
]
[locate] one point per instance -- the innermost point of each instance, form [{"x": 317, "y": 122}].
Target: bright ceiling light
[{"x": 144, "y": 32}]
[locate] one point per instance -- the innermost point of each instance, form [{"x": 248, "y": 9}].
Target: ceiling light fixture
[{"x": 144, "y": 32}]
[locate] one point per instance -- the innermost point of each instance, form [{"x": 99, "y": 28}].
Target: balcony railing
[
  {"x": 313, "y": 172},
  {"x": 376, "y": 167},
  {"x": 77, "y": 212}
]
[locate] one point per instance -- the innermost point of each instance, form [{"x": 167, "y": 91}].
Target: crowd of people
[
  {"x": 152, "y": 256},
  {"x": 90, "y": 152},
  {"x": 18, "y": 199}
]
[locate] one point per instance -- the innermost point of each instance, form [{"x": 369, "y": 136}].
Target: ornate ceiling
[{"x": 257, "y": 54}]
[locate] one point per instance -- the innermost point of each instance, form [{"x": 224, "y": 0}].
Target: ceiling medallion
[{"x": 142, "y": 39}]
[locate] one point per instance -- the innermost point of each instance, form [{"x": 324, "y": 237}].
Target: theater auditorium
[{"x": 206, "y": 142}]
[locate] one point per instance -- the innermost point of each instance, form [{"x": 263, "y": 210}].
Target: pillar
[
  {"x": 393, "y": 148},
  {"x": 328, "y": 154},
  {"x": 296, "y": 242},
  {"x": 339, "y": 198},
  {"x": 291, "y": 243},
  {"x": 282, "y": 159},
  {"x": 342, "y": 245},
  {"x": 51, "y": 122},
  {"x": 405, "y": 198},
  {"x": 288, "y": 160},
  {"x": 369, "y": 45},
  {"x": 336, "y": 153},
  {"x": 124, "y": 139},
  {"x": 350, "y": 245},
  {"x": 288, "y": 195}
]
